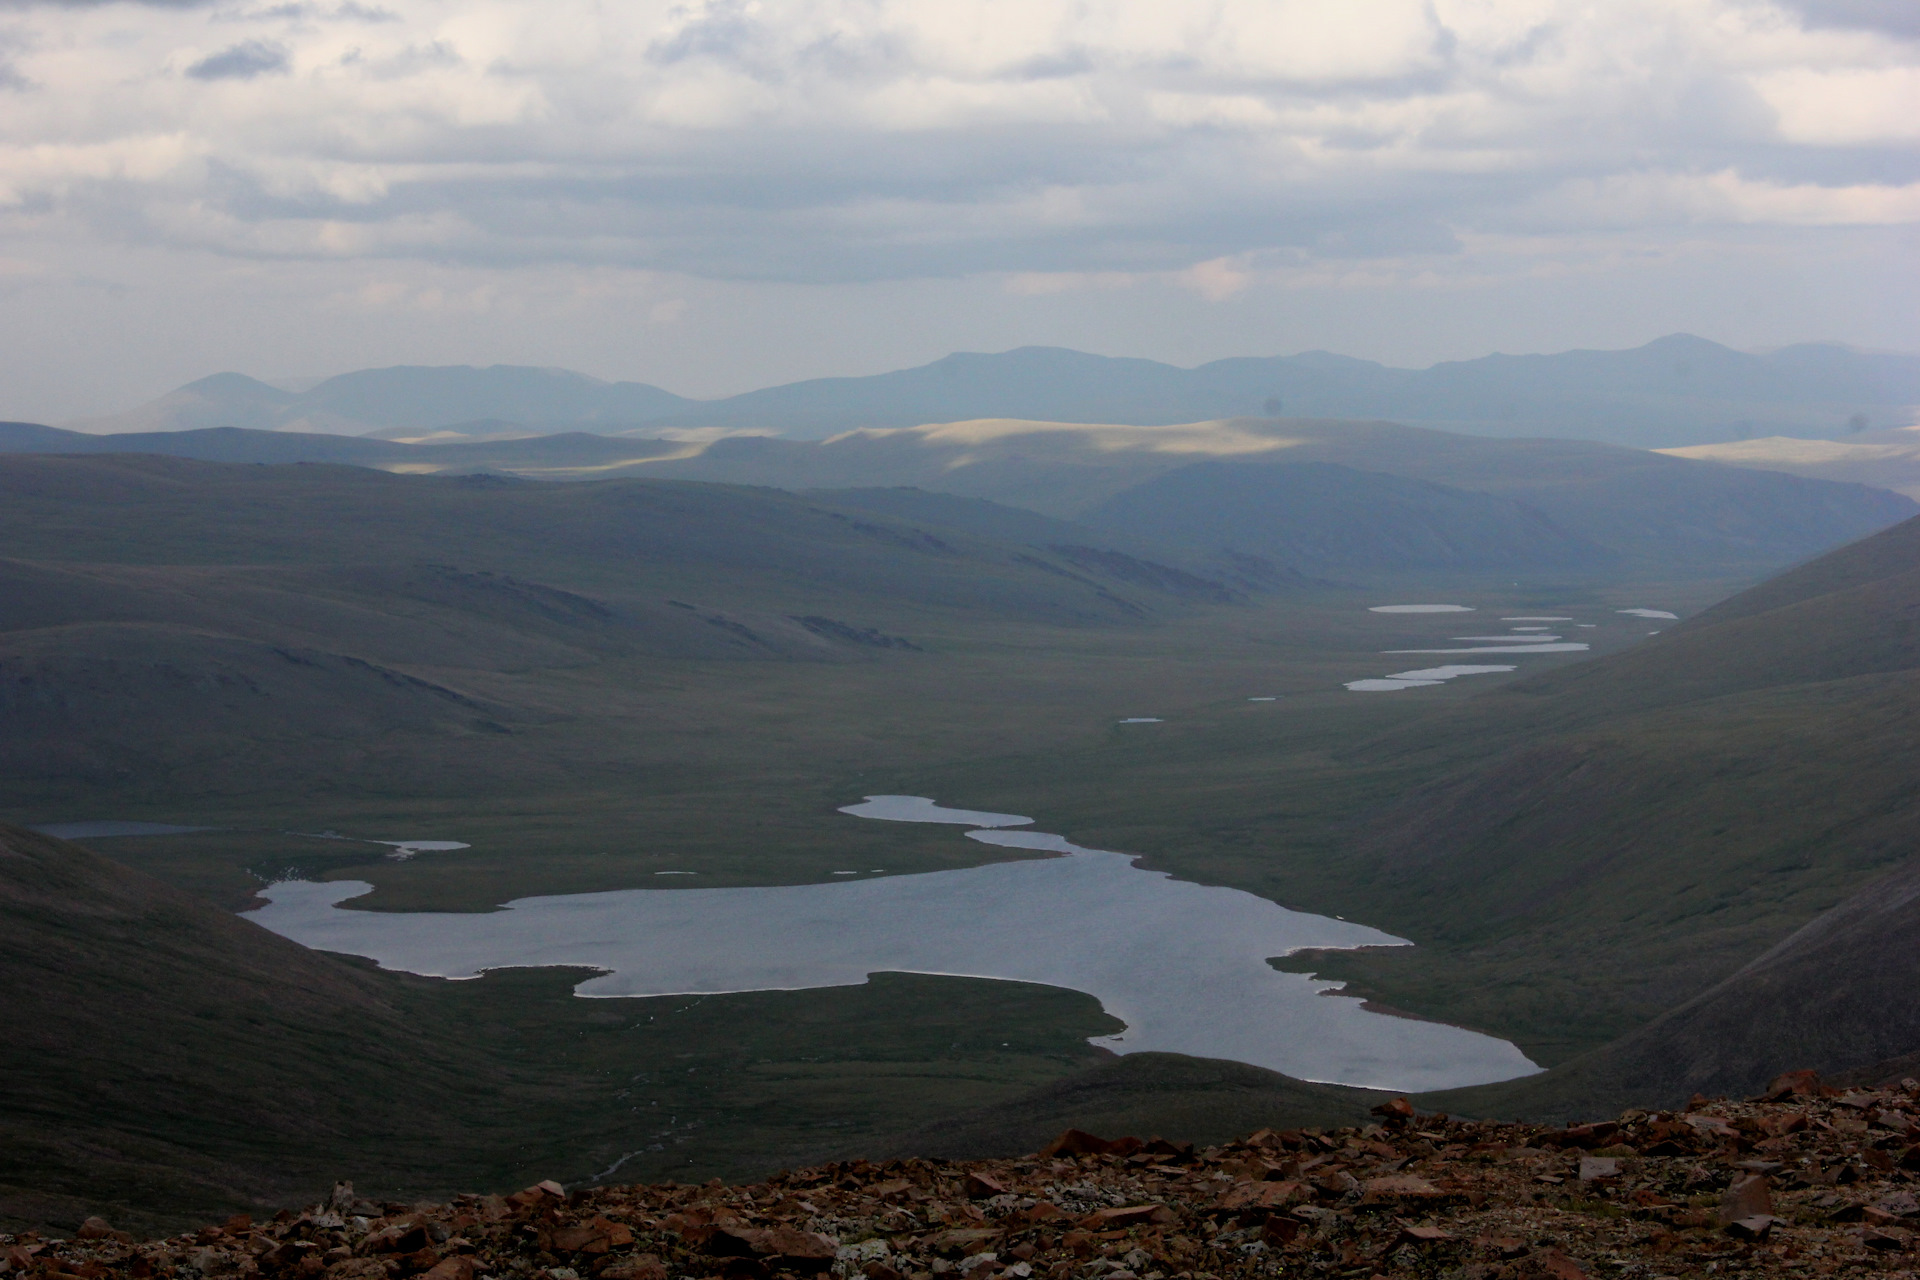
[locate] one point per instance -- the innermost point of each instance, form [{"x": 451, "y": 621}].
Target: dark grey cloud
[
  {"x": 1891, "y": 17},
  {"x": 100, "y": 4},
  {"x": 243, "y": 61}
]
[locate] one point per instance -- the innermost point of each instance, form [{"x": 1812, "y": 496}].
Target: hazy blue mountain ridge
[{"x": 1675, "y": 391}]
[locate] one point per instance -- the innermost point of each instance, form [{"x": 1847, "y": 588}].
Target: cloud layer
[
  {"x": 863, "y": 139},
  {"x": 1058, "y": 146}
]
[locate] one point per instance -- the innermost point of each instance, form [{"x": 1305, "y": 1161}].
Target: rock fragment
[{"x": 1804, "y": 1175}]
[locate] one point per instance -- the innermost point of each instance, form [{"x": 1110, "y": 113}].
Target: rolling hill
[
  {"x": 1373, "y": 495},
  {"x": 1677, "y": 390},
  {"x": 1886, "y": 459},
  {"x": 178, "y": 628},
  {"x": 1601, "y": 502}
]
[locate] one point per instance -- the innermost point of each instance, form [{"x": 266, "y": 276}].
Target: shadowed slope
[
  {"x": 158, "y": 1049},
  {"x": 1609, "y": 840},
  {"x": 1199, "y": 1100},
  {"x": 1836, "y": 996}
]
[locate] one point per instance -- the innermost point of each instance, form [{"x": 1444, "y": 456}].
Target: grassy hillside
[
  {"x": 1835, "y": 996},
  {"x": 183, "y": 632}
]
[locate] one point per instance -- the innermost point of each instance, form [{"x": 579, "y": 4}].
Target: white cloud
[{"x": 1846, "y": 106}]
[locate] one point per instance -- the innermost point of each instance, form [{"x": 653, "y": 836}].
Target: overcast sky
[{"x": 714, "y": 195}]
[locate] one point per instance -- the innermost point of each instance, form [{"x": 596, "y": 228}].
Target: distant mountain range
[{"x": 1675, "y": 391}]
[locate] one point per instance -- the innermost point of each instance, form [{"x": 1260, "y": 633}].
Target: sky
[{"x": 714, "y": 195}]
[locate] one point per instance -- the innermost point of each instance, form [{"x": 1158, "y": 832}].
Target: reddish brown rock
[
  {"x": 1395, "y": 1109},
  {"x": 1747, "y": 1196},
  {"x": 798, "y": 1251},
  {"x": 1261, "y": 1195},
  {"x": 1078, "y": 1142},
  {"x": 1810, "y": 1178},
  {"x": 645, "y": 1266},
  {"x": 982, "y": 1186}
]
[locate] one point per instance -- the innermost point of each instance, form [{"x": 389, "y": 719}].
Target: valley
[{"x": 552, "y": 689}]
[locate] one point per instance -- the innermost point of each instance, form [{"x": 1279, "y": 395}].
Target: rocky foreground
[{"x": 1807, "y": 1180}]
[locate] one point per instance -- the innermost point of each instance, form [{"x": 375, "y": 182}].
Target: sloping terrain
[
  {"x": 1801, "y": 1183},
  {"x": 186, "y": 629},
  {"x": 1323, "y": 517},
  {"x": 569, "y": 455},
  {"x": 1677, "y": 390},
  {"x": 1199, "y": 1100},
  {"x": 1590, "y": 503},
  {"x": 159, "y": 1049},
  {"x": 1633, "y": 830},
  {"x": 1887, "y": 459},
  {"x": 629, "y": 537},
  {"x": 1836, "y": 996},
  {"x": 1628, "y": 502}
]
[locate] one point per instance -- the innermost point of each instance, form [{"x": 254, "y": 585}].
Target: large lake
[{"x": 1182, "y": 964}]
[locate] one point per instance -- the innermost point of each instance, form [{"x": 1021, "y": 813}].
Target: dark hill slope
[
  {"x": 1200, "y": 1100},
  {"x": 1643, "y": 506},
  {"x": 179, "y": 629},
  {"x": 1235, "y": 475},
  {"x": 570, "y": 452},
  {"x": 1604, "y": 842},
  {"x": 162, "y": 1052},
  {"x": 719, "y": 542},
  {"x": 1324, "y": 518},
  {"x": 1835, "y": 995}
]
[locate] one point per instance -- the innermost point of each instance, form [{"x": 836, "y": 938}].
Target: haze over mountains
[{"x": 1675, "y": 391}]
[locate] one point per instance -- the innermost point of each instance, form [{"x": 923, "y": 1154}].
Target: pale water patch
[
  {"x": 1511, "y": 639},
  {"x": 1542, "y": 618},
  {"x": 1418, "y": 679},
  {"x": 921, "y": 809},
  {"x": 405, "y": 849},
  {"x": 1420, "y": 608},
  {"x": 1143, "y": 720},
  {"x": 1183, "y": 965},
  {"x": 1650, "y": 613},
  {"x": 1448, "y": 672},
  {"x": 1263, "y": 699}
]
